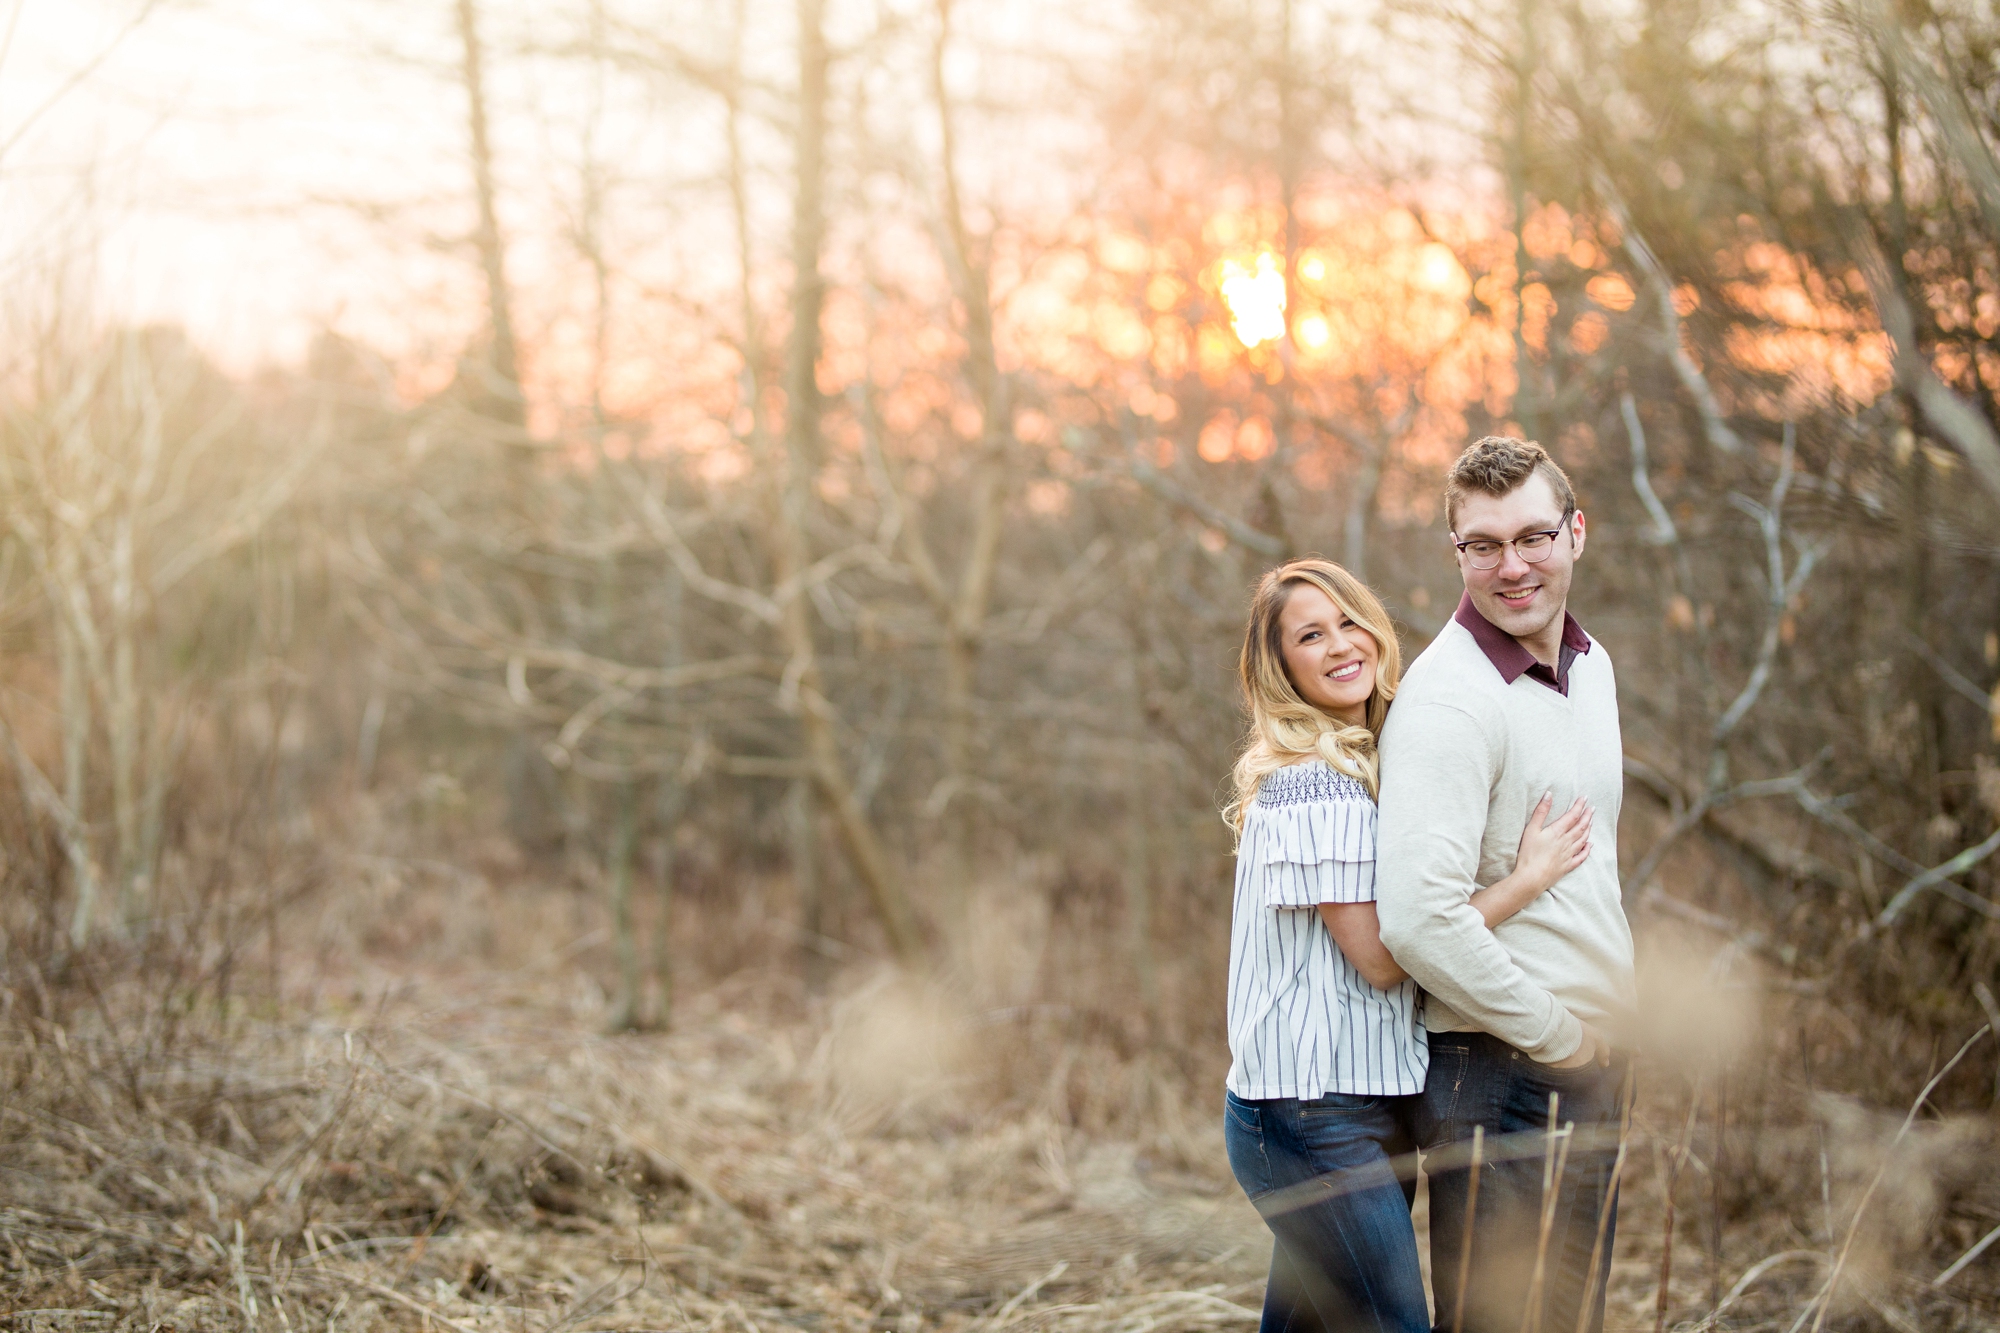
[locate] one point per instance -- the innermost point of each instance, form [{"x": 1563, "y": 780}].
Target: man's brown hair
[{"x": 1496, "y": 466}]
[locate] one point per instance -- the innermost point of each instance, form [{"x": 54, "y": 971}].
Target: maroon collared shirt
[{"x": 1513, "y": 661}]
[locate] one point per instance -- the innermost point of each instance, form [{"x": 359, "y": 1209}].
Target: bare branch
[
  {"x": 1169, "y": 490},
  {"x": 1829, "y": 812},
  {"x": 1945, "y": 101},
  {"x": 77, "y": 78},
  {"x": 505, "y": 648},
  {"x": 1664, "y": 533},
  {"x": 662, "y": 526},
  {"x": 1949, "y": 416},
  {"x": 75, "y": 838},
  {"x": 1939, "y": 878},
  {"x": 1780, "y": 588},
  {"x": 1719, "y": 433},
  {"x": 1948, "y": 673}
]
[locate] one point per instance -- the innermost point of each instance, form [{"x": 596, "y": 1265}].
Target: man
[{"x": 1511, "y": 701}]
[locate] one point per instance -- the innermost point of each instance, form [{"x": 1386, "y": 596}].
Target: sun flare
[{"x": 1255, "y": 295}]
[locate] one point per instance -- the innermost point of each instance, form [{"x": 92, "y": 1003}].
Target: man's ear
[{"x": 1576, "y": 532}]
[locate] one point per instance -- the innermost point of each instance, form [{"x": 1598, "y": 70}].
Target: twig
[
  {"x": 1949, "y": 416},
  {"x": 70, "y": 831},
  {"x": 1755, "y": 1271},
  {"x": 1664, "y": 533},
  {"x": 1674, "y": 1160},
  {"x": 390, "y": 1293},
  {"x": 1709, "y": 802},
  {"x": 1780, "y": 587},
  {"x": 59, "y": 1312},
  {"x": 1167, "y": 489},
  {"x": 1936, "y": 877},
  {"x": 1978, "y": 1249},
  {"x": 1591, "y": 1280},
  {"x": 1718, "y": 431},
  {"x": 1854, "y": 1223},
  {"x": 1025, "y": 1294},
  {"x": 416, "y": 1251},
  {"x": 1982, "y": 993},
  {"x": 1948, "y": 673},
  {"x": 1949, "y": 113},
  {"x": 1554, "y": 1158},
  {"x": 1471, "y": 1216}
]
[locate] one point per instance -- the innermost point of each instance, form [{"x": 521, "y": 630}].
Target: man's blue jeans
[
  {"x": 1319, "y": 1172},
  {"x": 1519, "y": 1280}
]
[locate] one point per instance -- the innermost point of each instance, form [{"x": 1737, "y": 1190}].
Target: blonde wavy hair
[{"x": 1284, "y": 728}]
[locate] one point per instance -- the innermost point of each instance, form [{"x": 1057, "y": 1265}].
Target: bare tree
[{"x": 103, "y": 477}]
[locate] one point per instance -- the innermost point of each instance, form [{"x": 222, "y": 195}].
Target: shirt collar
[{"x": 1502, "y": 649}]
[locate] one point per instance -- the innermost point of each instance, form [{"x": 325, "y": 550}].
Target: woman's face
[{"x": 1329, "y": 657}]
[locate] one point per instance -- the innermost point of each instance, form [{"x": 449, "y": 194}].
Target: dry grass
[
  {"x": 462, "y": 1147},
  {"x": 424, "y": 1126}
]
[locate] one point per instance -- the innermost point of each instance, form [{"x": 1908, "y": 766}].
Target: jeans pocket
[
  {"x": 1243, "y": 1135},
  {"x": 1587, "y": 1093},
  {"x": 1439, "y": 1104}
]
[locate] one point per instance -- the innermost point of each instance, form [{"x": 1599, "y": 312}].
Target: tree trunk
[
  {"x": 965, "y": 609},
  {"x": 631, "y": 981},
  {"x": 124, "y": 721},
  {"x": 802, "y": 450},
  {"x": 76, "y": 727},
  {"x": 1361, "y": 488},
  {"x": 500, "y": 392},
  {"x": 1527, "y": 398},
  {"x": 1139, "y": 863},
  {"x": 662, "y": 1016},
  {"x": 802, "y": 826}
]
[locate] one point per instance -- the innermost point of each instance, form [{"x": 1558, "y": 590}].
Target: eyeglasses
[{"x": 1533, "y": 547}]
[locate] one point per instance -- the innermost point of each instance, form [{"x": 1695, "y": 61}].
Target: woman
[{"x": 1325, "y": 1030}]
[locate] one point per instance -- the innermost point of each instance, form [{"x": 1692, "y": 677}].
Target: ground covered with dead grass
[{"x": 391, "y": 1138}]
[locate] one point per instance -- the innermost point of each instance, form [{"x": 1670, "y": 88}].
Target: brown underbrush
[{"x": 402, "y": 1110}]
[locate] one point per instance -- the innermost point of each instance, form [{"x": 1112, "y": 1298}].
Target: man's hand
[{"x": 1593, "y": 1050}]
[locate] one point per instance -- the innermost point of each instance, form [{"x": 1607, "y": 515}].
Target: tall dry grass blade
[
  {"x": 1026, "y": 1294},
  {"x": 1471, "y": 1212},
  {"x": 1529, "y": 1306},
  {"x": 416, "y": 1250},
  {"x": 1756, "y": 1271},
  {"x": 1520, "y": 1146},
  {"x": 390, "y": 1293},
  {"x": 1978, "y": 1248},
  {"x": 246, "y": 1297},
  {"x": 1554, "y": 1157},
  {"x": 1984, "y": 994},
  {"x": 1674, "y": 1160},
  {"x": 1854, "y": 1223},
  {"x": 1610, "y": 1199}
]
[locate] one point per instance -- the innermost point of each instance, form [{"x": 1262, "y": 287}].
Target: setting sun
[{"x": 1255, "y": 295}]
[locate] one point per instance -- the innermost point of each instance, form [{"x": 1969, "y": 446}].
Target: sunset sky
[{"x": 258, "y": 170}]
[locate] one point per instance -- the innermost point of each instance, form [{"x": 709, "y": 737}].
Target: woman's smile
[{"x": 1329, "y": 657}]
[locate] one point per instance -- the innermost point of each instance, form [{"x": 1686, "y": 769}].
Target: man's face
[{"x": 1520, "y": 598}]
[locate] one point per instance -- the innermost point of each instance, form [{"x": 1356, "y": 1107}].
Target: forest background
[{"x": 618, "y": 625}]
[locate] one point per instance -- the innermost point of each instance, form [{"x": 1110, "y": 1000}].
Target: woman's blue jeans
[{"x": 1320, "y": 1173}]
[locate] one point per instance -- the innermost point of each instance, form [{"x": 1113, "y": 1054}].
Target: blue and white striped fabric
[{"x": 1302, "y": 1021}]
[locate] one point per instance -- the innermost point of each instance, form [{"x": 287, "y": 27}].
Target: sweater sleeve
[{"x": 1437, "y": 769}]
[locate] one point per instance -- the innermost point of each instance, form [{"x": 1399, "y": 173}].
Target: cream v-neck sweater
[{"x": 1465, "y": 757}]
